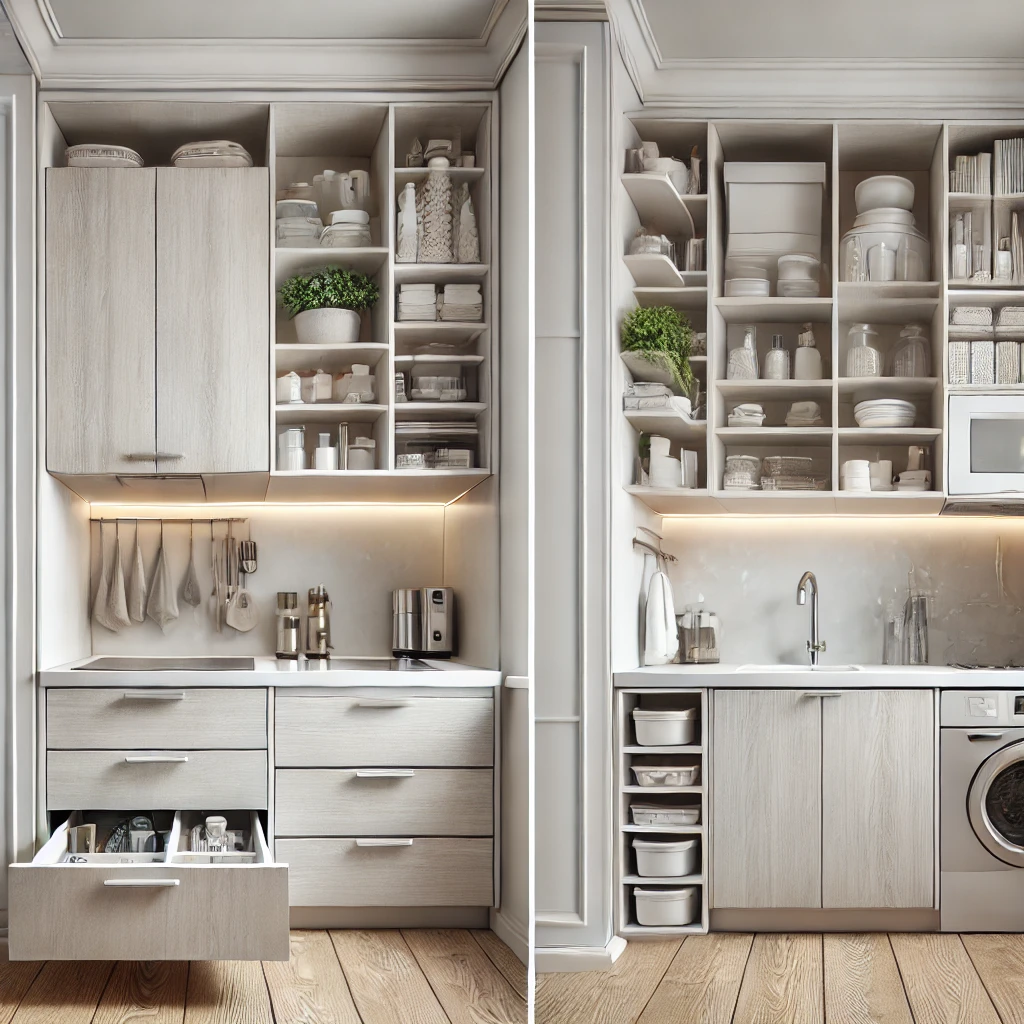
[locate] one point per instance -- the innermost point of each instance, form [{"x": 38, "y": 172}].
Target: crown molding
[{"x": 97, "y": 64}]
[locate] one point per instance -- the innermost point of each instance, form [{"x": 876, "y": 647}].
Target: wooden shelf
[
  {"x": 639, "y": 931},
  {"x": 662, "y": 880},
  {"x": 783, "y": 437},
  {"x": 889, "y": 503},
  {"x": 438, "y": 330},
  {"x": 653, "y": 270},
  {"x": 675, "y": 501},
  {"x": 774, "y": 390},
  {"x": 690, "y": 299},
  {"x": 403, "y": 175},
  {"x": 424, "y": 487},
  {"x": 888, "y": 435},
  {"x": 763, "y": 309},
  {"x": 674, "y": 830},
  {"x": 438, "y": 410},
  {"x": 460, "y": 359},
  {"x": 328, "y": 412},
  {"x": 439, "y": 273},
  {"x": 888, "y": 387},
  {"x": 667, "y": 423},
  {"x": 655, "y": 790},
  {"x": 289, "y": 262},
  {"x": 312, "y": 357},
  {"x": 637, "y": 749},
  {"x": 777, "y": 503},
  {"x": 660, "y": 206},
  {"x": 1011, "y": 295},
  {"x": 892, "y": 302}
]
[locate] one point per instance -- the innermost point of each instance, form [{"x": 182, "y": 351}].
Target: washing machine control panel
[
  {"x": 982, "y": 707},
  {"x": 967, "y": 708}
]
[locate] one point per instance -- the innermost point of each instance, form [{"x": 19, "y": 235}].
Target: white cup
[
  {"x": 1004, "y": 265},
  {"x": 659, "y": 446},
  {"x": 666, "y": 471},
  {"x": 881, "y": 263},
  {"x": 881, "y": 475}
]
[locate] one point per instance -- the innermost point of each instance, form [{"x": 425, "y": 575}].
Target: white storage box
[
  {"x": 666, "y": 908},
  {"x": 657, "y": 858},
  {"x": 665, "y": 728},
  {"x": 659, "y": 814},
  {"x": 667, "y": 775}
]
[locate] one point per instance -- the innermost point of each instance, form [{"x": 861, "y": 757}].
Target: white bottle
[{"x": 807, "y": 361}]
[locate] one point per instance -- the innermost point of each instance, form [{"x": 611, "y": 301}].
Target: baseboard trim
[
  {"x": 512, "y": 933},
  {"x": 388, "y": 917},
  {"x": 571, "y": 959},
  {"x": 812, "y": 920}
]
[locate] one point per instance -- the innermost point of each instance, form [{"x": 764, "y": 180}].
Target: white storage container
[
  {"x": 665, "y": 728},
  {"x": 666, "y": 908},
  {"x": 667, "y": 775},
  {"x": 659, "y": 814},
  {"x": 658, "y": 858}
]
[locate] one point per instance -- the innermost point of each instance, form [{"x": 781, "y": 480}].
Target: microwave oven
[{"x": 986, "y": 445}]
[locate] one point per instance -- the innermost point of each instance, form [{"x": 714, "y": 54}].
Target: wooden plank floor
[
  {"x": 729, "y": 978},
  {"x": 341, "y": 977}
]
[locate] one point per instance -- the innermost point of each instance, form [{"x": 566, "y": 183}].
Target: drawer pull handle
[
  {"x": 142, "y": 883},
  {"x": 151, "y": 456},
  {"x": 385, "y": 773},
  {"x": 156, "y": 759},
  {"x": 381, "y": 702},
  {"x": 154, "y": 695},
  {"x": 975, "y": 736},
  {"x": 823, "y": 693},
  {"x": 383, "y": 842}
]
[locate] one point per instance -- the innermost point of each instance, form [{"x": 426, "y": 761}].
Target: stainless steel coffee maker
[
  {"x": 318, "y": 624},
  {"x": 423, "y": 623}
]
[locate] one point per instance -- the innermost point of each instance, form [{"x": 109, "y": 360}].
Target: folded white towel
[{"x": 661, "y": 637}]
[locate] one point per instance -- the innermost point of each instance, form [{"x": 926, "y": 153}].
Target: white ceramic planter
[{"x": 327, "y": 327}]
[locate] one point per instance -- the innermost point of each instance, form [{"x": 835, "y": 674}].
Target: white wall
[{"x": 748, "y": 569}]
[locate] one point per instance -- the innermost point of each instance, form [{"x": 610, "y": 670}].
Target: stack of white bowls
[
  {"x": 885, "y": 412},
  {"x": 856, "y": 475},
  {"x": 884, "y": 243}
]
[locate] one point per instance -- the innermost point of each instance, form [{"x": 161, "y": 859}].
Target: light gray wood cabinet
[
  {"x": 878, "y": 817},
  {"x": 823, "y": 799},
  {"x": 158, "y": 321},
  {"x": 213, "y": 319},
  {"x": 767, "y": 799},
  {"x": 100, "y": 320}
]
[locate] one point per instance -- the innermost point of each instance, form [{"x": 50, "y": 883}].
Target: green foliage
[
  {"x": 329, "y": 288},
  {"x": 663, "y": 336}
]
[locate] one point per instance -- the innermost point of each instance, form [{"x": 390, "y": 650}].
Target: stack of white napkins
[
  {"x": 1011, "y": 316},
  {"x": 462, "y": 302},
  {"x": 804, "y": 414},
  {"x": 748, "y": 415},
  {"x": 972, "y": 316},
  {"x": 417, "y": 302}
]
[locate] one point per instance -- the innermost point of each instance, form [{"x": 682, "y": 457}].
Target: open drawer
[{"x": 150, "y": 906}]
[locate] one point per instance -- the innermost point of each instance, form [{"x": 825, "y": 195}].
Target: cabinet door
[
  {"x": 213, "y": 319},
  {"x": 767, "y": 799},
  {"x": 100, "y": 309},
  {"x": 878, "y": 823}
]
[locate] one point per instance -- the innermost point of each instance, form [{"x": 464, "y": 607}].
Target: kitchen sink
[
  {"x": 365, "y": 665},
  {"x": 209, "y": 664},
  {"x": 801, "y": 668}
]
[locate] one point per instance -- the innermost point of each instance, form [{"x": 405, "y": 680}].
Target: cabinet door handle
[
  {"x": 142, "y": 883},
  {"x": 823, "y": 693},
  {"x": 156, "y": 759},
  {"x": 974, "y": 736},
  {"x": 381, "y": 702},
  {"x": 383, "y": 842},
  {"x": 152, "y": 456},
  {"x": 385, "y": 773},
  {"x": 154, "y": 695}
]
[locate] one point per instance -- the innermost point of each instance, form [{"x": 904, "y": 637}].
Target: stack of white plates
[
  {"x": 102, "y": 156},
  {"x": 737, "y": 286},
  {"x": 219, "y": 153},
  {"x": 885, "y": 412}
]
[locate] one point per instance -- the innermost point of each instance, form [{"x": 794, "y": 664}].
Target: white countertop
[
  {"x": 822, "y": 678},
  {"x": 272, "y": 672}
]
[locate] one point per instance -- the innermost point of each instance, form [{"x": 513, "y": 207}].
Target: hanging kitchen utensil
[
  {"x": 247, "y": 555},
  {"x": 162, "y": 606},
  {"x": 137, "y": 583},
  {"x": 117, "y": 603},
  {"x": 242, "y": 613},
  {"x": 214, "y": 604},
  {"x": 190, "y": 592},
  {"x": 99, "y": 601}
]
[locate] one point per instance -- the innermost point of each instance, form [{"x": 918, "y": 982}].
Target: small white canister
[
  {"x": 666, "y": 908},
  {"x": 289, "y": 389},
  {"x": 665, "y": 727},
  {"x": 656, "y": 858}
]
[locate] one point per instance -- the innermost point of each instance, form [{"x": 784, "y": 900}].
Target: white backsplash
[
  {"x": 359, "y": 554},
  {"x": 748, "y": 569}
]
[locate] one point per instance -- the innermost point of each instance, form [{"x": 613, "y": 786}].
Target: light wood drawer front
[
  {"x": 65, "y": 912},
  {"x": 427, "y": 873},
  {"x": 353, "y": 732},
  {"x": 182, "y": 780},
  {"x": 227, "y": 719},
  {"x": 424, "y": 802}
]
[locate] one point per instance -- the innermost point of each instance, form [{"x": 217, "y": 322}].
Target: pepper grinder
[
  {"x": 289, "y": 630},
  {"x": 318, "y": 624}
]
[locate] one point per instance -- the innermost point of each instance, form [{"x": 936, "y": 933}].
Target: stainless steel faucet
[{"x": 814, "y": 645}]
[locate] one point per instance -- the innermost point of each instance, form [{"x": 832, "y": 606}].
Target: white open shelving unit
[
  {"x": 627, "y": 749},
  {"x": 851, "y": 150}
]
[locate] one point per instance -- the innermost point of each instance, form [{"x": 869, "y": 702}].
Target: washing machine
[{"x": 981, "y": 821}]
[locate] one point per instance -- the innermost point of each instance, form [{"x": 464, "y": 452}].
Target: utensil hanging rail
[
  {"x": 164, "y": 519},
  {"x": 654, "y": 550}
]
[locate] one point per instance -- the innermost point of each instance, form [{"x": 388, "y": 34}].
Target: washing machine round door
[{"x": 995, "y": 804}]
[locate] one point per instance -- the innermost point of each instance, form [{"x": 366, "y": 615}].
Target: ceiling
[
  {"x": 322, "y": 20},
  {"x": 828, "y": 29}
]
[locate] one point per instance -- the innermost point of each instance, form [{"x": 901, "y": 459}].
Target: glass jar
[
  {"x": 776, "y": 365},
  {"x": 863, "y": 359},
  {"x": 743, "y": 357},
  {"x": 910, "y": 357}
]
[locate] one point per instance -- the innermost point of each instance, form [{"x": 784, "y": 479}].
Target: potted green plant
[
  {"x": 659, "y": 340},
  {"x": 326, "y": 304}
]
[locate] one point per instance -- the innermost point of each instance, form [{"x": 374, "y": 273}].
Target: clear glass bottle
[
  {"x": 910, "y": 357},
  {"x": 776, "y": 364},
  {"x": 863, "y": 359},
  {"x": 807, "y": 361},
  {"x": 742, "y": 363}
]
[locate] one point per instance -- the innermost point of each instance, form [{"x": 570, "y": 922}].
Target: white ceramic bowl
[
  {"x": 797, "y": 267},
  {"x": 747, "y": 286},
  {"x": 888, "y": 215},
  {"x": 884, "y": 190}
]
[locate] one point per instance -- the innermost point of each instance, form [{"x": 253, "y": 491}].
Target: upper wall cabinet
[{"x": 157, "y": 326}]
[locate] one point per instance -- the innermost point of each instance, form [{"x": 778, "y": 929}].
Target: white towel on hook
[{"x": 661, "y": 635}]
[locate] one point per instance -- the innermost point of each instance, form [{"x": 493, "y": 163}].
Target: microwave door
[{"x": 986, "y": 445}]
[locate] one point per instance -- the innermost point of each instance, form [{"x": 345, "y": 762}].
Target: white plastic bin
[
  {"x": 665, "y": 727},
  {"x": 666, "y": 908},
  {"x": 667, "y": 775},
  {"x": 658, "y": 858},
  {"x": 660, "y": 814}
]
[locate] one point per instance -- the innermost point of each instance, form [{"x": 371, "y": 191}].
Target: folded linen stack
[
  {"x": 804, "y": 414},
  {"x": 462, "y": 302},
  {"x": 417, "y": 302},
  {"x": 748, "y": 415},
  {"x": 1011, "y": 316},
  {"x": 974, "y": 316}
]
